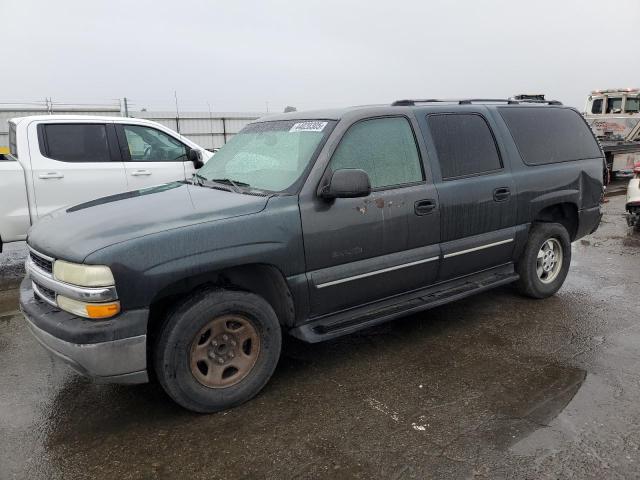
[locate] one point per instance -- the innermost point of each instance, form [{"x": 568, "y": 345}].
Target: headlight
[{"x": 83, "y": 275}]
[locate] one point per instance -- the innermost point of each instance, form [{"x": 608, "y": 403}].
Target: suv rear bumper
[
  {"x": 110, "y": 351},
  {"x": 588, "y": 221}
]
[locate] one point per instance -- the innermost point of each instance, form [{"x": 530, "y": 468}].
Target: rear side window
[
  {"x": 464, "y": 144},
  {"x": 13, "y": 143},
  {"x": 75, "y": 142},
  {"x": 382, "y": 147},
  {"x": 550, "y": 135},
  {"x": 632, "y": 105},
  {"x": 596, "y": 107}
]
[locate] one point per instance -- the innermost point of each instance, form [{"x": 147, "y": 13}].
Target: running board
[{"x": 349, "y": 321}]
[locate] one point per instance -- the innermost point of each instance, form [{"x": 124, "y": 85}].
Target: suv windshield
[{"x": 267, "y": 155}]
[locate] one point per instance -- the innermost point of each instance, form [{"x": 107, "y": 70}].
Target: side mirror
[
  {"x": 195, "y": 156},
  {"x": 347, "y": 183}
]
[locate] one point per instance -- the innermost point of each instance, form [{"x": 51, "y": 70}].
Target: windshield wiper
[
  {"x": 236, "y": 184},
  {"x": 203, "y": 181}
]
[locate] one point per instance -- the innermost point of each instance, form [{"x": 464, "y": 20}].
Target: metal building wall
[
  {"x": 8, "y": 112},
  {"x": 209, "y": 130}
]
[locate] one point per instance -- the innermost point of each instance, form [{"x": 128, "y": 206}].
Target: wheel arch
[
  {"x": 262, "y": 279},
  {"x": 564, "y": 213}
]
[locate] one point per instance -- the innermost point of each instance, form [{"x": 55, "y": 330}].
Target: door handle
[
  {"x": 424, "y": 207},
  {"x": 501, "y": 194},
  {"x": 139, "y": 173},
  {"x": 48, "y": 175}
]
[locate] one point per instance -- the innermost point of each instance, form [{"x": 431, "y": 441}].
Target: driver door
[
  {"x": 360, "y": 250},
  {"x": 152, "y": 157}
]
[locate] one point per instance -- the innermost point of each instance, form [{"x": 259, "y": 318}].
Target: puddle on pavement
[
  {"x": 8, "y": 302},
  {"x": 6, "y": 318},
  {"x": 535, "y": 402},
  {"x": 633, "y": 240}
]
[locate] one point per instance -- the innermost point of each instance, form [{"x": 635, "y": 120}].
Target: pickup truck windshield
[{"x": 267, "y": 155}]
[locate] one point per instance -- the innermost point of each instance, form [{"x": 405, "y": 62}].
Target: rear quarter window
[
  {"x": 550, "y": 135},
  {"x": 13, "y": 143}
]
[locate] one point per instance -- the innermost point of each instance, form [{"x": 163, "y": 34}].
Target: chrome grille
[
  {"x": 41, "y": 262},
  {"x": 46, "y": 292}
]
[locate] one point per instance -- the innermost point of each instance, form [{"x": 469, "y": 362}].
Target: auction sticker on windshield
[{"x": 308, "y": 127}]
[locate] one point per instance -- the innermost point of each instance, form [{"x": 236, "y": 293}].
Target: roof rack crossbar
[{"x": 469, "y": 101}]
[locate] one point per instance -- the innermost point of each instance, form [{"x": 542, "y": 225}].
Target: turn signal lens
[
  {"x": 104, "y": 310},
  {"x": 83, "y": 275},
  {"x": 94, "y": 311}
]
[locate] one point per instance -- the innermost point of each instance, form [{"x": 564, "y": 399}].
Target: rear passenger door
[
  {"x": 476, "y": 190},
  {"x": 73, "y": 163},
  {"x": 151, "y": 156}
]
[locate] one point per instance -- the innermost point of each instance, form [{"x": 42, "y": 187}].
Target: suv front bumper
[{"x": 108, "y": 351}]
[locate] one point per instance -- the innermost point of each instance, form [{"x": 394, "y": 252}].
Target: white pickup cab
[{"x": 55, "y": 161}]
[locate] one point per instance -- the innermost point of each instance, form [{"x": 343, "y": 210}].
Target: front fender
[{"x": 146, "y": 265}]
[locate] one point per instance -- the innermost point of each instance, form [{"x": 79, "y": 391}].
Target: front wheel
[
  {"x": 217, "y": 350},
  {"x": 544, "y": 265}
]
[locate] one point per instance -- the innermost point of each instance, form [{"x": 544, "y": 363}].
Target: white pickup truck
[
  {"x": 59, "y": 160},
  {"x": 614, "y": 117}
]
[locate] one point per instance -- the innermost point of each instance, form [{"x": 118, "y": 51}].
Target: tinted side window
[
  {"x": 596, "y": 107},
  {"x": 614, "y": 105},
  {"x": 76, "y": 142},
  {"x": 464, "y": 144},
  {"x": 632, "y": 105},
  {"x": 382, "y": 147},
  {"x": 550, "y": 134}
]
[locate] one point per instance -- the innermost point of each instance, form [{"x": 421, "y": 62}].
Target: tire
[
  {"x": 187, "y": 367},
  {"x": 543, "y": 235}
]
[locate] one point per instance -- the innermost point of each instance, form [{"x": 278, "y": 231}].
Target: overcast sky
[{"x": 238, "y": 55}]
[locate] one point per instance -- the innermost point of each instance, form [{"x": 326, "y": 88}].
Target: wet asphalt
[{"x": 495, "y": 386}]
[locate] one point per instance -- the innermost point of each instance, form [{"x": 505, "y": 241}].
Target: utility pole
[
  {"x": 224, "y": 130},
  {"x": 175, "y": 94},
  {"x": 126, "y": 107},
  {"x": 213, "y": 135}
]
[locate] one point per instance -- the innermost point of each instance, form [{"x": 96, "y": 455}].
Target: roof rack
[{"x": 469, "y": 101}]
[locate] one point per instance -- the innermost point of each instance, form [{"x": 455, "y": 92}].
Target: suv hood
[{"x": 75, "y": 232}]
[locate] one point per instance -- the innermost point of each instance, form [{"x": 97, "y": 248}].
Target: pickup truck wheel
[
  {"x": 217, "y": 350},
  {"x": 544, "y": 265}
]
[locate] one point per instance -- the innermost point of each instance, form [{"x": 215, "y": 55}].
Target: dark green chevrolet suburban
[{"x": 312, "y": 224}]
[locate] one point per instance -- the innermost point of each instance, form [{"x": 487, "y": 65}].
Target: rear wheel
[
  {"x": 217, "y": 350},
  {"x": 544, "y": 265}
]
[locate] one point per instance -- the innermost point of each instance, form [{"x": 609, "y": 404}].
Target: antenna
[{"x": 175, "y": 94}]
